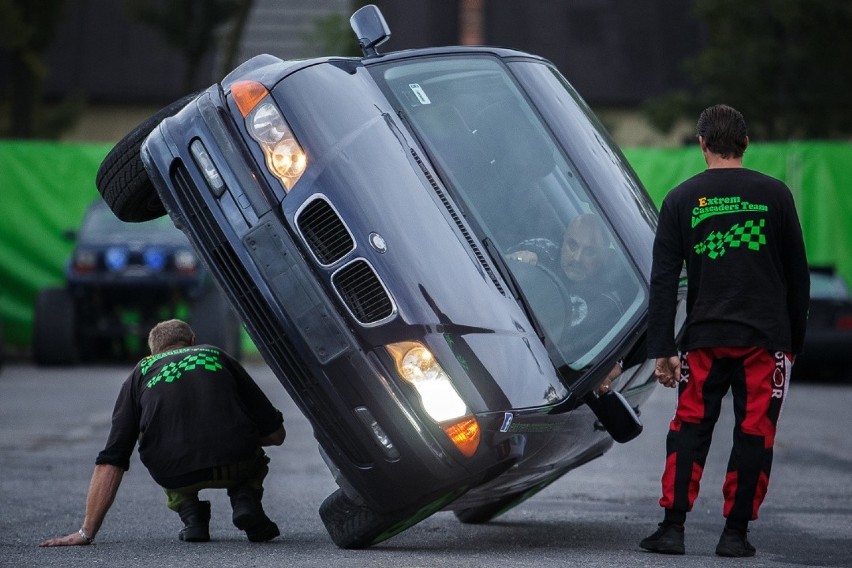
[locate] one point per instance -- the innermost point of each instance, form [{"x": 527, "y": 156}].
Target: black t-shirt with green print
[
  {"x": 189, "y": 409},
  {"x": 738, "y": 232}
]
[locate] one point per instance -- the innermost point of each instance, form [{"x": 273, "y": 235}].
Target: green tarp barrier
[
  {"x": 816, "y": 172},
  {"x": 45, "y": 188}
]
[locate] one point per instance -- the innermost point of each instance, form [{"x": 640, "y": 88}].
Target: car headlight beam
[
  {"x": 116, "y": 258},
  {"x": 416, "y": 364},
  {"x": 85, "y": 261},
  {"x": 285, "y": 158},
  {"x": 185, "y": 262},
  {"x": 155, "y": 259}
]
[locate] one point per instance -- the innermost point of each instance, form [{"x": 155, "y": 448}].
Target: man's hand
[
  {"x": 102, "y": 489},
  {"x": 274, "y": 439},
  {"x": 613, "y": 374},
  {"x": 667, "y": 371},
  {"x": 73, "y": 539}
]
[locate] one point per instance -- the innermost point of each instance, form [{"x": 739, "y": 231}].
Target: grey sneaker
[
  {"x": 734, "y": 543},
  {"x": 667, "y": 540}
]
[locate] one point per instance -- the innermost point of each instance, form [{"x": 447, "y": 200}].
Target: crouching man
[{"x": 201, "y": 422}]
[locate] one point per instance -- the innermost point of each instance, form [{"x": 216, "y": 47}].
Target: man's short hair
[
  {"x": 170, "y": 334},
  {"x": 724, "y": 131},
  {"x": 591, "y": 224}
]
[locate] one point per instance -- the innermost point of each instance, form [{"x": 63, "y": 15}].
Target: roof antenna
[{"x": 370, "y": 28}]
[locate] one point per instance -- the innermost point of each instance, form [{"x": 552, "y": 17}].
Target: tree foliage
[
  {"x": 192, "y": 26},
  {"x": 783, "y": 63},
  {"x": 332, "y": 35},
  {"x": 27, "y": 28}
]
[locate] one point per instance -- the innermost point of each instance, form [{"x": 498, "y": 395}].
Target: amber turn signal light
[
  {"x": 247, "y": 94},
  {"x": 464, "y": 433}
]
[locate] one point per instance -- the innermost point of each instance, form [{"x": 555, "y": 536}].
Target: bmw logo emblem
[{"x": 378, "y": 242}]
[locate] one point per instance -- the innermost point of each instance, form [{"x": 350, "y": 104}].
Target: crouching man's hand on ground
[{"x": 73, "y": 539}]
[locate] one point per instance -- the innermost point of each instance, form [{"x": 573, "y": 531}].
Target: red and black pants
[{"x": 758, "y": 381}]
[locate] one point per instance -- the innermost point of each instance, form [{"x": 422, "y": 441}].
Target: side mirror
[
  {"x": 615, "y": 414},
  {"x": 370, "y": 28}
]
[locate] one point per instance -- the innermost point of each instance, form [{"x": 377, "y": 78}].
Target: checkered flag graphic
[
  {"x": 173, "y": 371},
  {"x": 749, "y": 234}
]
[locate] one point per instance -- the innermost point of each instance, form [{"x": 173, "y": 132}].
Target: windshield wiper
[{"x": 509, "y": 278}]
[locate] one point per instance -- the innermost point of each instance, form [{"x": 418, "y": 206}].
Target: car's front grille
[
  {"x": 224, "y": 261},
  {"x": 324, "y": 231},
  {"x": 362, "y": 292}
]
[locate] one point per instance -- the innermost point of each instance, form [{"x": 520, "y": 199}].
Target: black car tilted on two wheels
[{"x": 360, "y": 214}]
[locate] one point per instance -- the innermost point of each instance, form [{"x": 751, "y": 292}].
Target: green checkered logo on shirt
[
  {"x": 207, "y": 360},
  {"x": 749, "y": 235}
]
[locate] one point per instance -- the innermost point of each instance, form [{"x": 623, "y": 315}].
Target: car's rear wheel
[
  {"x": 484, "y": 513},
  {"x": 122, "y": 180},
  {"x": 353, "y": 524},
  {"x": 54, "y": 337}
]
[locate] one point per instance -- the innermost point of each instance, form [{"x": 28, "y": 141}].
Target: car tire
[
  {"x": 122, "y": 180},
  {"x": 54, "y": 337},
  {"x": 215, "y": 323},
  {"x": 352, "y": 525},
  {"x": 485, "y": 513}
]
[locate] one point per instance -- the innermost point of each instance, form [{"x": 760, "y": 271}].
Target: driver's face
[{"x": 582, "y": 251}]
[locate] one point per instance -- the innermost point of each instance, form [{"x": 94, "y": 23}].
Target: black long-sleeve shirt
[
  {"x": 738, "y": 232},
  {"x": 189, "y": 409}
]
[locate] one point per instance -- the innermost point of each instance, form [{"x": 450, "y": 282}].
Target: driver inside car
[{"x": 584, "y": 265}]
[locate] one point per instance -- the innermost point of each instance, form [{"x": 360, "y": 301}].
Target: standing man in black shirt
[
  {"x": 200, "y": 421},
  {"x": 747, "y": 297}
]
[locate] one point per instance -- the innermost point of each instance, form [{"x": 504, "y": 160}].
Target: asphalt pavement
[{"x": 53, "y": 421}]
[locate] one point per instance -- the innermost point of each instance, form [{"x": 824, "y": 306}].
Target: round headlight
[
  {"x": 185, "y": 261},
  {"x": 155, "y": 259},
  {"x": 267, "y": 125},
  {"x": 287, "y": 158},
  {"x": 116, "y": 259},
  {"x": 418, "y": 365},
  {"x": 85, "y": 261}
]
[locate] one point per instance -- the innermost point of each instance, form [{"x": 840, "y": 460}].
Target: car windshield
[
  {"x": 101, "y": 226},
  {"x": 525, "y": 196}
]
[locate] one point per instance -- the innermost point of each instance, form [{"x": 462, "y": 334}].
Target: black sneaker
[
  {"x": 196, "y": 519},
  {"x": 734, "y": 544},
  {"x": 249, "y": 516},
  {"x": 263, "y": 531},
  {"x": 667, "y": 540}
]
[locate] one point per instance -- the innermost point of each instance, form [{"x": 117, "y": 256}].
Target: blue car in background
[
  {"x": 366, "y": 217},
  {"x": 120, "y": 280}
]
